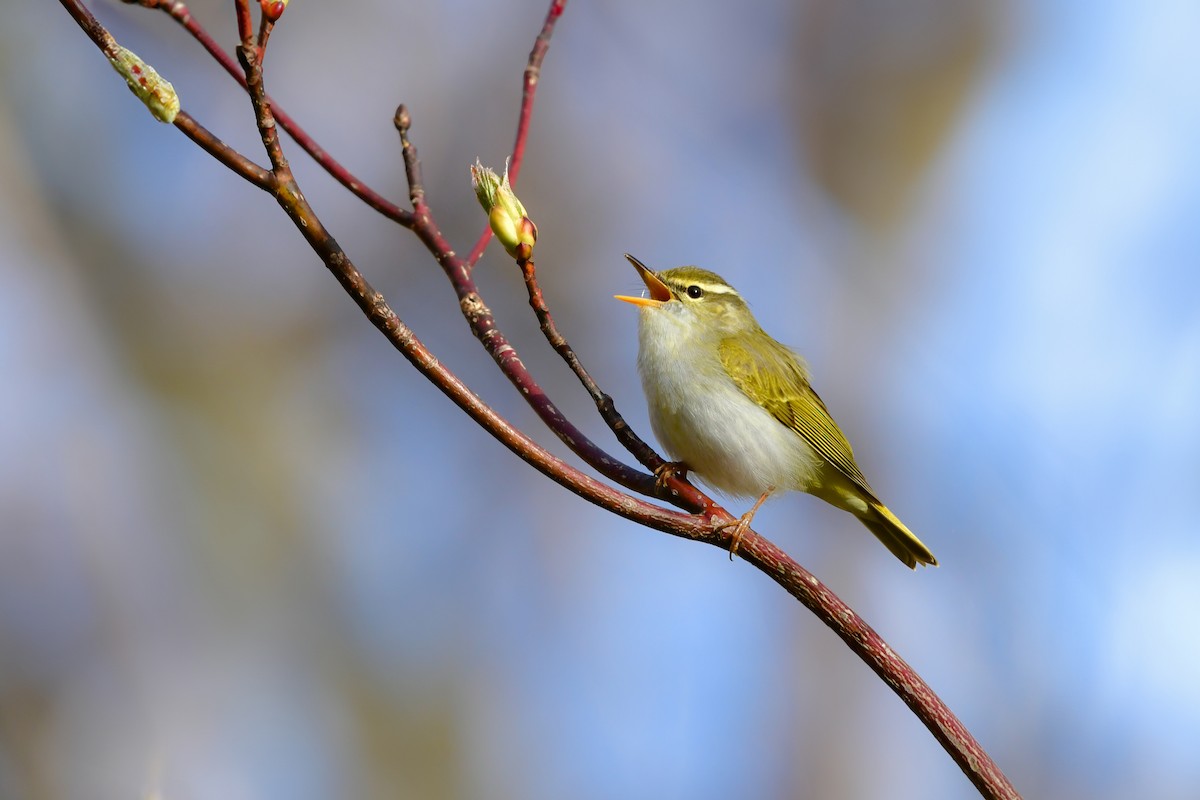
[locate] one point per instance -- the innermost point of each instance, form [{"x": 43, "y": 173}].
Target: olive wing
[{"x": 775, "y": 377}]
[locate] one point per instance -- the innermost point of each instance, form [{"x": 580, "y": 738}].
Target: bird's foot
[
  {"x": 743, "y": 524},
  {"x": 739, "y": 531},
  {"x": 669, "y": 470}
]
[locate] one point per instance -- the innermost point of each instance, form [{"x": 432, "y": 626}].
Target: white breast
[{"x": 703, "y": 419}]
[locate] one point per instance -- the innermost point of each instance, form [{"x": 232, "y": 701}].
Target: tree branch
[
  {"x": 707, "y": 526},
  {"x": 222, "y": 152},
  {"x": 604, "y": 403},
  {"x": 287, "y": 193},
  {"x": 483, "y": 325},
  {"x": 245, "y": 25},
  {"x": 529, "y": 85},
  {"x": 179, "y": 12}
]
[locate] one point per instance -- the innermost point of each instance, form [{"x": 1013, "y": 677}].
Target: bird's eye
[{"x": 695, "y": 292}]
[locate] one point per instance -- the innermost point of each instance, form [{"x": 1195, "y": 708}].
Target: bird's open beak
[{"x": 659, "y": 293}]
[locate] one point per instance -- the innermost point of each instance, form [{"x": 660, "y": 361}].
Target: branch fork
[{"x": 700, "y": 518}]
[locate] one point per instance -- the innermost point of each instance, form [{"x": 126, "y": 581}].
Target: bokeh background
[{"x": 247, "y": 552}]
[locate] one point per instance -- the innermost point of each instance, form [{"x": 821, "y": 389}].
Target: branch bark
[
  {"x": 529, "y": 87},
  {"x": 707, "y": 525}
]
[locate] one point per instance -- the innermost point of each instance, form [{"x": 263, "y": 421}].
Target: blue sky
[{"x": 243, "y": 532}]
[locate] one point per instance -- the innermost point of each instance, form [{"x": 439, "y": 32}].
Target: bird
[{"x": 734, "y": 406}]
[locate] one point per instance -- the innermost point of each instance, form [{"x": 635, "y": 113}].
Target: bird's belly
[{"x": 733, "y": 444}]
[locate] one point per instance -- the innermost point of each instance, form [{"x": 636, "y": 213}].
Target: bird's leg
[
  {"x": 671, "y": 469},
  {"x": 743, "y": 524}
]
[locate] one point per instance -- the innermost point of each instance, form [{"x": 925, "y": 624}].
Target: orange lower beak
[{"x": 659, "y": 293}]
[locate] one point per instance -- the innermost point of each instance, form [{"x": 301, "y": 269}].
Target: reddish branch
[
  {"x": 483, "y": 326},
  {"x": 708, "y": 526},
  {"x": 529, "y": 86},
  {"x": 604, "y": 404},
  {"x": 471, "y": 302},
  {"x": 179, "y": 12}
]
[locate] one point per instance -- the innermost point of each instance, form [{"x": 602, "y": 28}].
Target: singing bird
[{"x": 734, "y": 406}]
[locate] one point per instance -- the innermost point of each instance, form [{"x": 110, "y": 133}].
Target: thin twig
[
  {"x": 529, "y": 86},
  {"x": 287, "y": 193},
  {"x": 251, "y": 57},
  {"x": 412, "y": 165},
  {"x": 92, "y": 27},
  {"x": 707, "y": 527},
  {"x": 677, "y": 490},
  {"x": 643, "y": 452},
  {"x": 244, "y": 24},
  {"x": 179, "y": 12},
  {"x": 483, "y": 325},
  {"x": 949, "y": 731},
  {"x": 222, "y": 152},
  {"x": 193, "y": 130},
  {"x": 265, "y": 26}
]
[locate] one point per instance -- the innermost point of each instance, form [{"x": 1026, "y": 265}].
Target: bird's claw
[
  {"x": 667, "y": 471},
  {"x": 739, "y": 531},
  {"x": 743, "y": 524}
]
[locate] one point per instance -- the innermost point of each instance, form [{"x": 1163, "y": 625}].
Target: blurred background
[{"x": 247, "y": 552}]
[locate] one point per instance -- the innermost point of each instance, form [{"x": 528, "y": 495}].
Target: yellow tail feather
[{"x": 895, "y": 537}]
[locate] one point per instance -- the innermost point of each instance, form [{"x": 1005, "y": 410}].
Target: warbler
[{"x": 735, "y": 407}]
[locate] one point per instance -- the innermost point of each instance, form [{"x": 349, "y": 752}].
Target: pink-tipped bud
[
  {"x": 273, "y": 9},
  {"x": 506, "y": 216}
]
